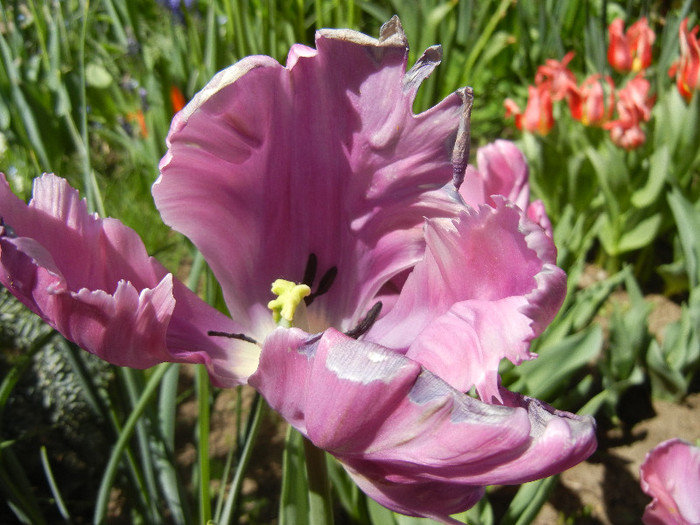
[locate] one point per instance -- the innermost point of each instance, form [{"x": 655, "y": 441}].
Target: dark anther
[
  {"x": 366, "y": 323},
  {"x": 242, "y": 337},
  {"x": 326, "y": 281},
  {"x": 323, "y": 286},
  {"x": 6, "y": 230},
  {"x": 310, "y": 272}
]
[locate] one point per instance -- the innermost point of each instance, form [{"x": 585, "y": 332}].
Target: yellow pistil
[{"x": 289, "y": 296}]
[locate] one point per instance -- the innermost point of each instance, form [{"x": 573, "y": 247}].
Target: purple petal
[
  {"x": 411, "y": 441},
  {"x": 92, "y": 280},
  {"x": 502, "y": 170},
  {"x": 670, "y": 474},
  {"x": 485, "y": 288},
  {"x": 269, "y": 164}
]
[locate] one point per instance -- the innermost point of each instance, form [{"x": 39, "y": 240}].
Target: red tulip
[
  {"x": 177, "y": 99},
  {"x": 630, "y": 51},
  {"x": 538, "y": 116},
  {"x": 633, "y": 108},
  {"x": 557, "y": 76},
  {"x": 592, "y": 102},
  {"x": 687, "y": 68}
]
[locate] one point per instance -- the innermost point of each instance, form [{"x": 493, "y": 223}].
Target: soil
[{"x": 605, "y": 489}]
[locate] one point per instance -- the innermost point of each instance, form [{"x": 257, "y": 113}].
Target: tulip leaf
[
  {"x": 167, "y": 474},
  {"x": 528, "y": 501},
  {"x": 688, "y": 221},
  {"x": 294, "y": 499},
  {"x": 544, "y": 377},
  {"x": 673, "y": 363},
  {"x": 379, "y": 515},
  {"x": 629, "y": 235},
  {"x": 351, "y": 498},
  {"x": 479, "y": 514},
  {"x": 658, "y": 167}
]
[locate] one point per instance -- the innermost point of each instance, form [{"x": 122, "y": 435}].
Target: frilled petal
[
  {"x": 502, "y": 170},
  {"x": 670, "y": 474},
  {"x": 269, "y": 164},
  {"x": 485, "y": 288},
  {"x": 92, "y": 280},
  {"x": 411, "y": 441}
]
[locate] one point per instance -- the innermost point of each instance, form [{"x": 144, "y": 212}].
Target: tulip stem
[{"x": 320, "y": 505}]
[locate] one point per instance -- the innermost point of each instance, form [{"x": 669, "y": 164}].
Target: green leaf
[
  {"x": 673, "y": 364},
  {"x": 640, "y": 235},
  {"x": 294, "y": 499},
  {"x": 688, "y": 222},
  {"x": 544, "y": 377},
  {"x": 379, "y": 515},
  {"x": 658, "y": 167},
  {"x": 479, "y": 514},
  {"x": 4, "y": 118},
  {"x": 528, "y": 501},
  {"x": 97, "y": 76}
]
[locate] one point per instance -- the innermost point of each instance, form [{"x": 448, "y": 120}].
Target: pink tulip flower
[
  {"x": 670, "y": 474},
  {"x": 503, "y": 170},
  {"x": 319, "y": 172}
]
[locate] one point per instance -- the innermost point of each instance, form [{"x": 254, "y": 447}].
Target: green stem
[
  {"x": 202, "y": 382},
  {"x": 320, "y": 505},
  {"x": 253, "y": 428}
]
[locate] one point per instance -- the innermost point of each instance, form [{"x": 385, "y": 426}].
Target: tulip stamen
[
  {"x": 366, "y": 322},
  {"x": 323, "y": 285},
  {"x": 242, "y": 337},
  {"x": 6, "y": 230},
  {"x": 310, "y": 271}
]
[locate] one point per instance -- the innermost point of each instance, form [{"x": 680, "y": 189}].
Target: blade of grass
[
  {"x": 23, "y": 110},
  {"x": 124, "y": 437},
  {"x": 92, "y": 190},
  {"x": 134, "y": 386},
  {"x": 53, "y": 486},
  {"x": 484, "y": 36},
  {"x": 167, "y": 474},
  {"x": 220, "y": 499},
  {"x": 253, "y": 428},
  {"x": 108, "y": 413},
  {"x": 14, "y": 482}
]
